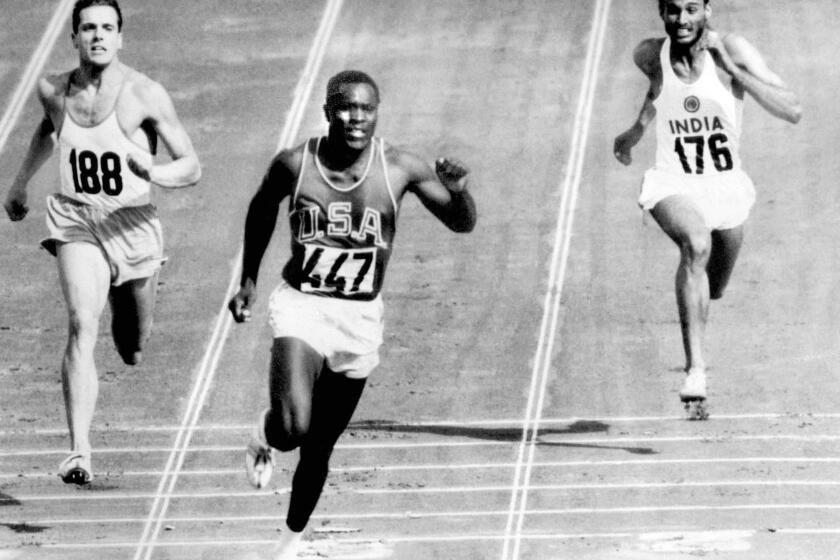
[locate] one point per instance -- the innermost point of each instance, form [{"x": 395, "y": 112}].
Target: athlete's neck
[
  {"x": 95, "y": 77},
  {"x": 690, "y": 56},
  {"x": 336, "y": 155}
]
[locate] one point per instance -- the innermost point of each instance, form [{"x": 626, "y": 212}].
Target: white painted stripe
[
  {"x": 577, "y": 156},
  {"x": 33, "y": 70},
  {"x": 227, "y": 543},
  {"x": 511, "y": 423},
  {"x": 549, "y": 323},
  {"x": 460, "y": 490},
  {"x": 209, "y": 364},
  {"x": 452, "y": 514},
  {"x": 384, "y": 468}
]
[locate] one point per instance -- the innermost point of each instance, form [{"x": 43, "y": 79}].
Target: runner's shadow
[
  {"x": 25, "y": 528},
  {"x": 6, "y": 500},
  {"x": 501, "y": 434}
]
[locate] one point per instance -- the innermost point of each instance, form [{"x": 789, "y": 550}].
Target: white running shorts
[
  {"x": 348, "y": 333},
  {"x": 131, "y": 237},
  {"x": 723, "y": 200}
]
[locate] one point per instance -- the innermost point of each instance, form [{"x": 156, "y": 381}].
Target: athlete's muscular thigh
[
  {"x": 680, "y": 219},
  {"x": 295, "y": 367},
  {"x": 85, "y": 278}
]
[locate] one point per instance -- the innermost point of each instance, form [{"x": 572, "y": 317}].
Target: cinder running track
[{"x": 526, "y": 403}]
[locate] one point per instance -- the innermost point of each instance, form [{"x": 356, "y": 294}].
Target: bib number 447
[{"x": 331, "y": 270}]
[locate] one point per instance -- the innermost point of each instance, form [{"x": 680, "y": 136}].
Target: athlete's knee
[
  {"x": 696, "y": 247},
  {"x": 716, "y": 288},
  {"x": 130, "y": 357},
  {"x": 129, "y": 339},
  {"x": 83, "y": 326},
  {"x": 285, "y": 431}
]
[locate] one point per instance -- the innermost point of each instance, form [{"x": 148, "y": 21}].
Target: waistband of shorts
[{"x": 64, "y": 199}]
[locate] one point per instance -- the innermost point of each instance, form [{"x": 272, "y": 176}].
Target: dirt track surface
[{"x": 436, "y": 458}]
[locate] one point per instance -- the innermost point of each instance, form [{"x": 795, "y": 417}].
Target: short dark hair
[
  {"x": 349, "y": 77},
  {"x": 82, "y": 4},
  {"x": 662, "y": 4}
]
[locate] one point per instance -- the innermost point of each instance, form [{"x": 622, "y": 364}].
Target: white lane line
[
  {"x": 385, "y": 468},
  {"x": 513, "y": 423},
  {"x": 459, "y": 490},
  {"x": 227, "y": 543},
  {"x": 555, "y": 441},
  {"x": 551, "y": 309},
  {"x": 33, "y": 70},
  {"x": 224, "y": 322},
  {"x": 451, "y": 514}
]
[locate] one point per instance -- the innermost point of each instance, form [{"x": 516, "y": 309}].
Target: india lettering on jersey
[
  {"x": 698, "y": 124},
  {"x": 341, "y": 237}
]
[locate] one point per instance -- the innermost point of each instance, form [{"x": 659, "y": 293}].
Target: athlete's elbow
[
  {"x": 194, "y": 175},
  {"x": 463, "y": 226},
  {"x": 794, "y": 114}
]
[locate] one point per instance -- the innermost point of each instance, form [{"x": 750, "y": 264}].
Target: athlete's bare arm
[
  {"x": 277, "y": 184},
  {"x": 184, "y": 170},
  {"x": 646, "y": 57},
  {"x": 40, "y": 147},
  {"x": 741, "y": 60},
  {"x": 442, "y": 191}
]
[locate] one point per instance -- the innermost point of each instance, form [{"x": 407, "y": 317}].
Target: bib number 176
[{"x": 721, "y": 156}]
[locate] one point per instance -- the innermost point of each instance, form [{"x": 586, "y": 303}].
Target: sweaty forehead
[
  {"x": 358, "y": 92},
  {"x": 98, "y": 14}
]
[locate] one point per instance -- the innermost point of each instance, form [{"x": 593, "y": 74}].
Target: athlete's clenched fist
[{"x": 452, "y": 174}]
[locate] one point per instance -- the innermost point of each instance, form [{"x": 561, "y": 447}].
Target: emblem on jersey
[{"x": 691, "y": 104}]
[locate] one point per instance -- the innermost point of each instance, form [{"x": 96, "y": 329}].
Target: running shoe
[
  {"x": 694, "y": 387},
  {"x": 75, "y": 469},
  {"x": 259, "y": 456}
]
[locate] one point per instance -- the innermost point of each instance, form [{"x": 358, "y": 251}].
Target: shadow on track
[{"x": 512, "y": 435}]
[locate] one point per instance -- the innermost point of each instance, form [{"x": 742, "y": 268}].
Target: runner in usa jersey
[
  {"x": 326, "y": 315},
  {"x": 341, "y": 236},
  {"x": 697, "y": 191}
]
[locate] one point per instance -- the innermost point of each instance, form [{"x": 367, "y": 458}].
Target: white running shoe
[
  {"x": 259, "y": 456},
  {"x": 290, "y": 544},
  {"x": 75, "y": 469},
  {"x": 694, "y": 387}
]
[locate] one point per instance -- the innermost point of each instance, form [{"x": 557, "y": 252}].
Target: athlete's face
[
  {"x": 98, "y": 39},
  {"x": 685, "y": 20},
  {"x": 352, "y": 115}
]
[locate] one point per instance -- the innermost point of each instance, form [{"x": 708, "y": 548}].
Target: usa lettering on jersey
[{"x": 338, "y": 223}]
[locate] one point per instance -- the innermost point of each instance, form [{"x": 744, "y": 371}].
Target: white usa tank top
[
  {"x": 698, "y": 125},
  {"x": 93, "y": 166}
]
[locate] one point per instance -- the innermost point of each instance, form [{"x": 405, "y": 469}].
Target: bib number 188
[{"x": 92, "y": 175}]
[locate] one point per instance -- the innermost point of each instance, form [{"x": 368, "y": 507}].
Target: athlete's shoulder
[
  {"x": 285, "y": 165},
  {"x": 646, "y": 55},
  {"x": 738, "y": 47},
  {"x": 142, "y": 87},
  {"x": 52, "y": 87},
  {"x": 406, "y": 161}
]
